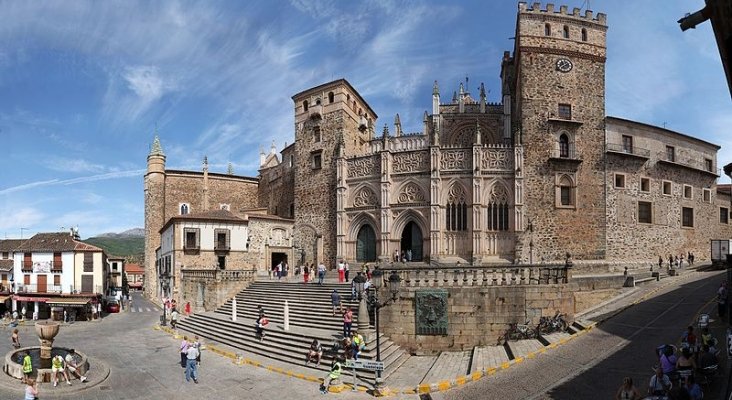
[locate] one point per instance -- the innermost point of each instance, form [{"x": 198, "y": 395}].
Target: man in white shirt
[
  {"x": 191, "y": 365},
  {"x": 660, "y": 384},
  {"x": 321, "y": 273}
]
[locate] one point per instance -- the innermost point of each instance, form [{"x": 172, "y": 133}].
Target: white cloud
[
  {"x": 20, "y": 217},
  {"x": 147, "y": 82},
  {"x": 72, "y": 181},
  {"x": 75, "y": 165}
]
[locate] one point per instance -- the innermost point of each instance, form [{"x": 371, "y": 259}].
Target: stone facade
[{"x": 523, "y": 181}]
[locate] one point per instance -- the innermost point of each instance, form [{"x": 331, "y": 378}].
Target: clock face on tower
[{"x": 564, "y": 65}]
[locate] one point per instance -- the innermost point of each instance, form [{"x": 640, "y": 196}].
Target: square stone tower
[
  {"x": 557, "y": 95},
  {"x": 331, "y": 120}
]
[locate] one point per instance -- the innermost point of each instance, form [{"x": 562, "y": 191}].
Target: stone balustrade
[
  {"x": 481, "y": 276},
  {"x": 218, "y": 275}
]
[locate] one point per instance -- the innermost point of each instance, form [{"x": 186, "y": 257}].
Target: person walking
[
  {"x": 341, "y": 271},
  {"x": 27, "y": 366},
  {"x": 347, "y": 322},
  {"x": 722, "y": 300},
  {"x": 31, "y": 390},
  {"x": 335, "y": 300},
  {"x": 184, "y": 345},
  {"x": 191, "y": 363},
  {"x": 174, "y": 318},
  {"x": 197, "y": 343},
  {"x": 260, "y": 324},
  {"x": 347, "y": 268},
  {"x": 188, "y": 308},
  {"x": 15, "y": 338},
  {"x": 321, "y": 273},
  {"x": 306, "y": 274}
]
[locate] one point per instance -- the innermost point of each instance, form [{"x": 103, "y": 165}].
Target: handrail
[{"x": 481, "y": 276}]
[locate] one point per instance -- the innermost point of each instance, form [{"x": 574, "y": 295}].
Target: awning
[
  {"x": 67, "y": 303},
  {"x": 3, "y": 298},
  {"x": 28, "y": 298}
]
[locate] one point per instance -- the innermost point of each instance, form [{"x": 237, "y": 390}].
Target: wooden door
[{"x": 42, "y": 283}]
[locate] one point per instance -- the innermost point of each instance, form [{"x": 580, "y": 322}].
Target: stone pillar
[
  {"x": 287, "y": 316},
  {"x": 199, "y": 295},
  {"x": 363, "y": 315},
  {"x": 233, "y": 309}
]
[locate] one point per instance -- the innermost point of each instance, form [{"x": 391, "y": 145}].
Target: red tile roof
[
  {"x": 215, "y": 215},
  {"x": 8, "y": 245},
  {"x": 6, "y": 265},
  {"x": 55, "y": 242},
  {"x": 134, "y": 269}
]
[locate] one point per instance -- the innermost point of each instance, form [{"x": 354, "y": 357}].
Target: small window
[
  {"x": 305, "y": 105},
  {"x": 565, "y": 193},
  {"x": 645, "y": 212},
  {"x": 57, "y": 281},
  {"x": 628, "y": 144},
  {"x": 687, "y": 217},
  {"x": 666, "y": 188},
  {"x": 645, "y": 185},
  {"x": 292, "y": 161},
  {"x": 226, "y": 207},
  {"x": 547, "y": 30},
  {"x": 316, "y": 134},
  {"x": 317, "y": 161},
  {"x": 317, "y": 101},
  {"x": 565, "y": 111},
  {"x": 707, "y": 193},
  {"x": 565, "y": 32},
  {"x": 584, "y": 34},
  {"x": 708, "y": 164},
  {"x": 331, "y": 98},
  {"x": 619, "y": 181},
  {"x": 688, "y": 192},
  {"x": 88, "y": 262},
  {"x": 292, "y": 210},
  {"x": 723, "y": 215},
  {"x": 563, "y": 146},
  {"x": 184, "y": 209},
  {"x": 221, "y": 239},
  {"x": 670, "y": 153},
  {"x": 191, "y": 239}
]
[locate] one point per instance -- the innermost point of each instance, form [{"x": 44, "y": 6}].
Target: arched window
[
  {"x": 584, "y": 34},
  {"x": 331, "y": 98},
  {"x": 305, "y": 105},
  {"x": 317, "y": 101},
  {"x": 547, "y": 30},
  {"x": 498, "y": 209},
  {"x": 456, "y": 210},
  {"x": 316, "y": 134},
  {"x": 564, "y": 146},
  {"x": 183, "y": 209},
  {"x": 565, "y": 32},
  {"x": 353, "y": 105},
  {"x": 565, "y": 192}
]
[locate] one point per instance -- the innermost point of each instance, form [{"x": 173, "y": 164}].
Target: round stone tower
[{"x": 154, "y": 213}]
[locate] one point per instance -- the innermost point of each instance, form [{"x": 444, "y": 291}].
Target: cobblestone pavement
[
  {"x": 593, "y": 365},
  {"x": 145, "y": 364}
]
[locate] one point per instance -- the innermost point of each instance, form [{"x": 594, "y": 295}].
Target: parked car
[{"x": 112, "y": 307}]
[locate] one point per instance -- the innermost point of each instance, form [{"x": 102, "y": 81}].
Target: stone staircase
[{"x": 310, "y": 316}]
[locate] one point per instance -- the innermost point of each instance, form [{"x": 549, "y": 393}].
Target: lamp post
[
  {"x": 359, "y": 282},
  {"x": 164, "y": 285},
  {"x": 378, "y": 283}
]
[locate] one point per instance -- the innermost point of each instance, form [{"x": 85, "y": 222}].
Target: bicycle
[{"x": 516, "y": 332}]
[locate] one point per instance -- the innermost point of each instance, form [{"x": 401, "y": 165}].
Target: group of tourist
[
  {"x": 190, "y": 357},
  {"x": 676, "y": 261},
  {"x": 279, "y": 271},
  {"x": 65, "y": 366}
]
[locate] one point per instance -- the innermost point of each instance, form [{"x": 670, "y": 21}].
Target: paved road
[{"x": 593, "y": 365}]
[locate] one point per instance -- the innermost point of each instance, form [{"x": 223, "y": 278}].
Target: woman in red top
[
  {"x": 306, "y": 274},
  {"x": 188, "y": 308}
]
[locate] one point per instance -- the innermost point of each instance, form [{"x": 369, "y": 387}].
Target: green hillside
[{"x": 131, "y": 248}]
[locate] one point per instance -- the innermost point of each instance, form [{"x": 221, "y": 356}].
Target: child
[
  {"x": 16, "y": 339},
  {"x": 31, "y": 391}
]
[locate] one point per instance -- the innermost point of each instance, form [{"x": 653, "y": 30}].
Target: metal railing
[
  {"x": 57, "y": 289},
  {"x": 218, "y": 274},
  {"x": 634, "y": 150},
  {"x": 568, "y": 154},
  {"x": 482, "y": 276},
  {"x": 689, "y": 162}
]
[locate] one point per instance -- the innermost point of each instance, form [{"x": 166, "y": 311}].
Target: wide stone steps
[{"x": 310, "y": 316}]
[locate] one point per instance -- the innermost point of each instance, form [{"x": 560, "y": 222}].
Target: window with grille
[
  {"x": 222, "y": 239},
  {"x": 670, "y": 153},
  {"x": 645, "y": 212},
  {"x": 457, "y": 216},
  {"x": 723, "y": 215},
  {"x": 498, "y": 216},
  {"x": 628, "y": 144},
  {"x": 687, "y": 217},
  {"x": 565, "y": 111},
  {"x": 191, "y": 238}
]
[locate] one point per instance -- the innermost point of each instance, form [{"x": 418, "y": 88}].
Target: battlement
[{"x": 601, "y": 18}]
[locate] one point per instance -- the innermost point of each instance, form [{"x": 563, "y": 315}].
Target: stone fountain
[
  {"x": 46, "y": 330},
  {"x": 41, "y": 355}
]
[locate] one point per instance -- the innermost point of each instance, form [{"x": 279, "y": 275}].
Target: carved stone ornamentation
[
  {"x": 454, "y": 160},
  {"x": 456, "y": 195},
  {"x": 497, "y": 160},
  {"x": 413, "y": 161},
  {"x": 412, "y": 193},
  {"x": 361, "y": 167},
  {"x": 365, "y": 198},
  {"x": 499, "y": 195},
  {"x": 431, "y": 312}
]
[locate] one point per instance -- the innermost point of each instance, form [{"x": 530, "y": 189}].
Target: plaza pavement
[{"x": 144, "y": 362}]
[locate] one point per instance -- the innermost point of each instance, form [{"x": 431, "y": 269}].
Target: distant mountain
[
  {"x": 129, "y": 244},
  {"x": 134, "y": 232}
]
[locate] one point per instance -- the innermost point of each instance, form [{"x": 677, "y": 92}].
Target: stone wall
[
  {"x": 578, "y": 228},
  {"x": 207, "y": 290},
  {"x": 240, "y": 193},
  {"x": 277, "y": 186},
  {"x": 477, "y": 316}
]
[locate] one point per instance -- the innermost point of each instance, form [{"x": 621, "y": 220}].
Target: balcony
[
  {"x": 56, "y": 289},
  {"x": 688, "y": 163},
  {"x": 566, "y": 155},
  {"x": 564, "y": 121},
  {"x": 631, "y": 151}
]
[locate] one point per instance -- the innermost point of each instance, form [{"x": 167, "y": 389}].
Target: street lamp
[
  {"x": 359, "y": 283},
  {"x": 378, "y": 283},
  {"x": 164, "y": 285}
]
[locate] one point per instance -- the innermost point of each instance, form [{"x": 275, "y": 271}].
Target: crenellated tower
[
  {"x": 555, "y": 85},
  {"x": 154, "y": 213},
  {"x": 332, "y": 121}
]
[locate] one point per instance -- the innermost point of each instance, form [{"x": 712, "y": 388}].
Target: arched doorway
[
  {"x": 412, "y": 240},
  {"x": 366, "y": 244}
]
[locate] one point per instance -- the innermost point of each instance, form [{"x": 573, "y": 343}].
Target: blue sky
[{"x": 84, "y": 83}]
